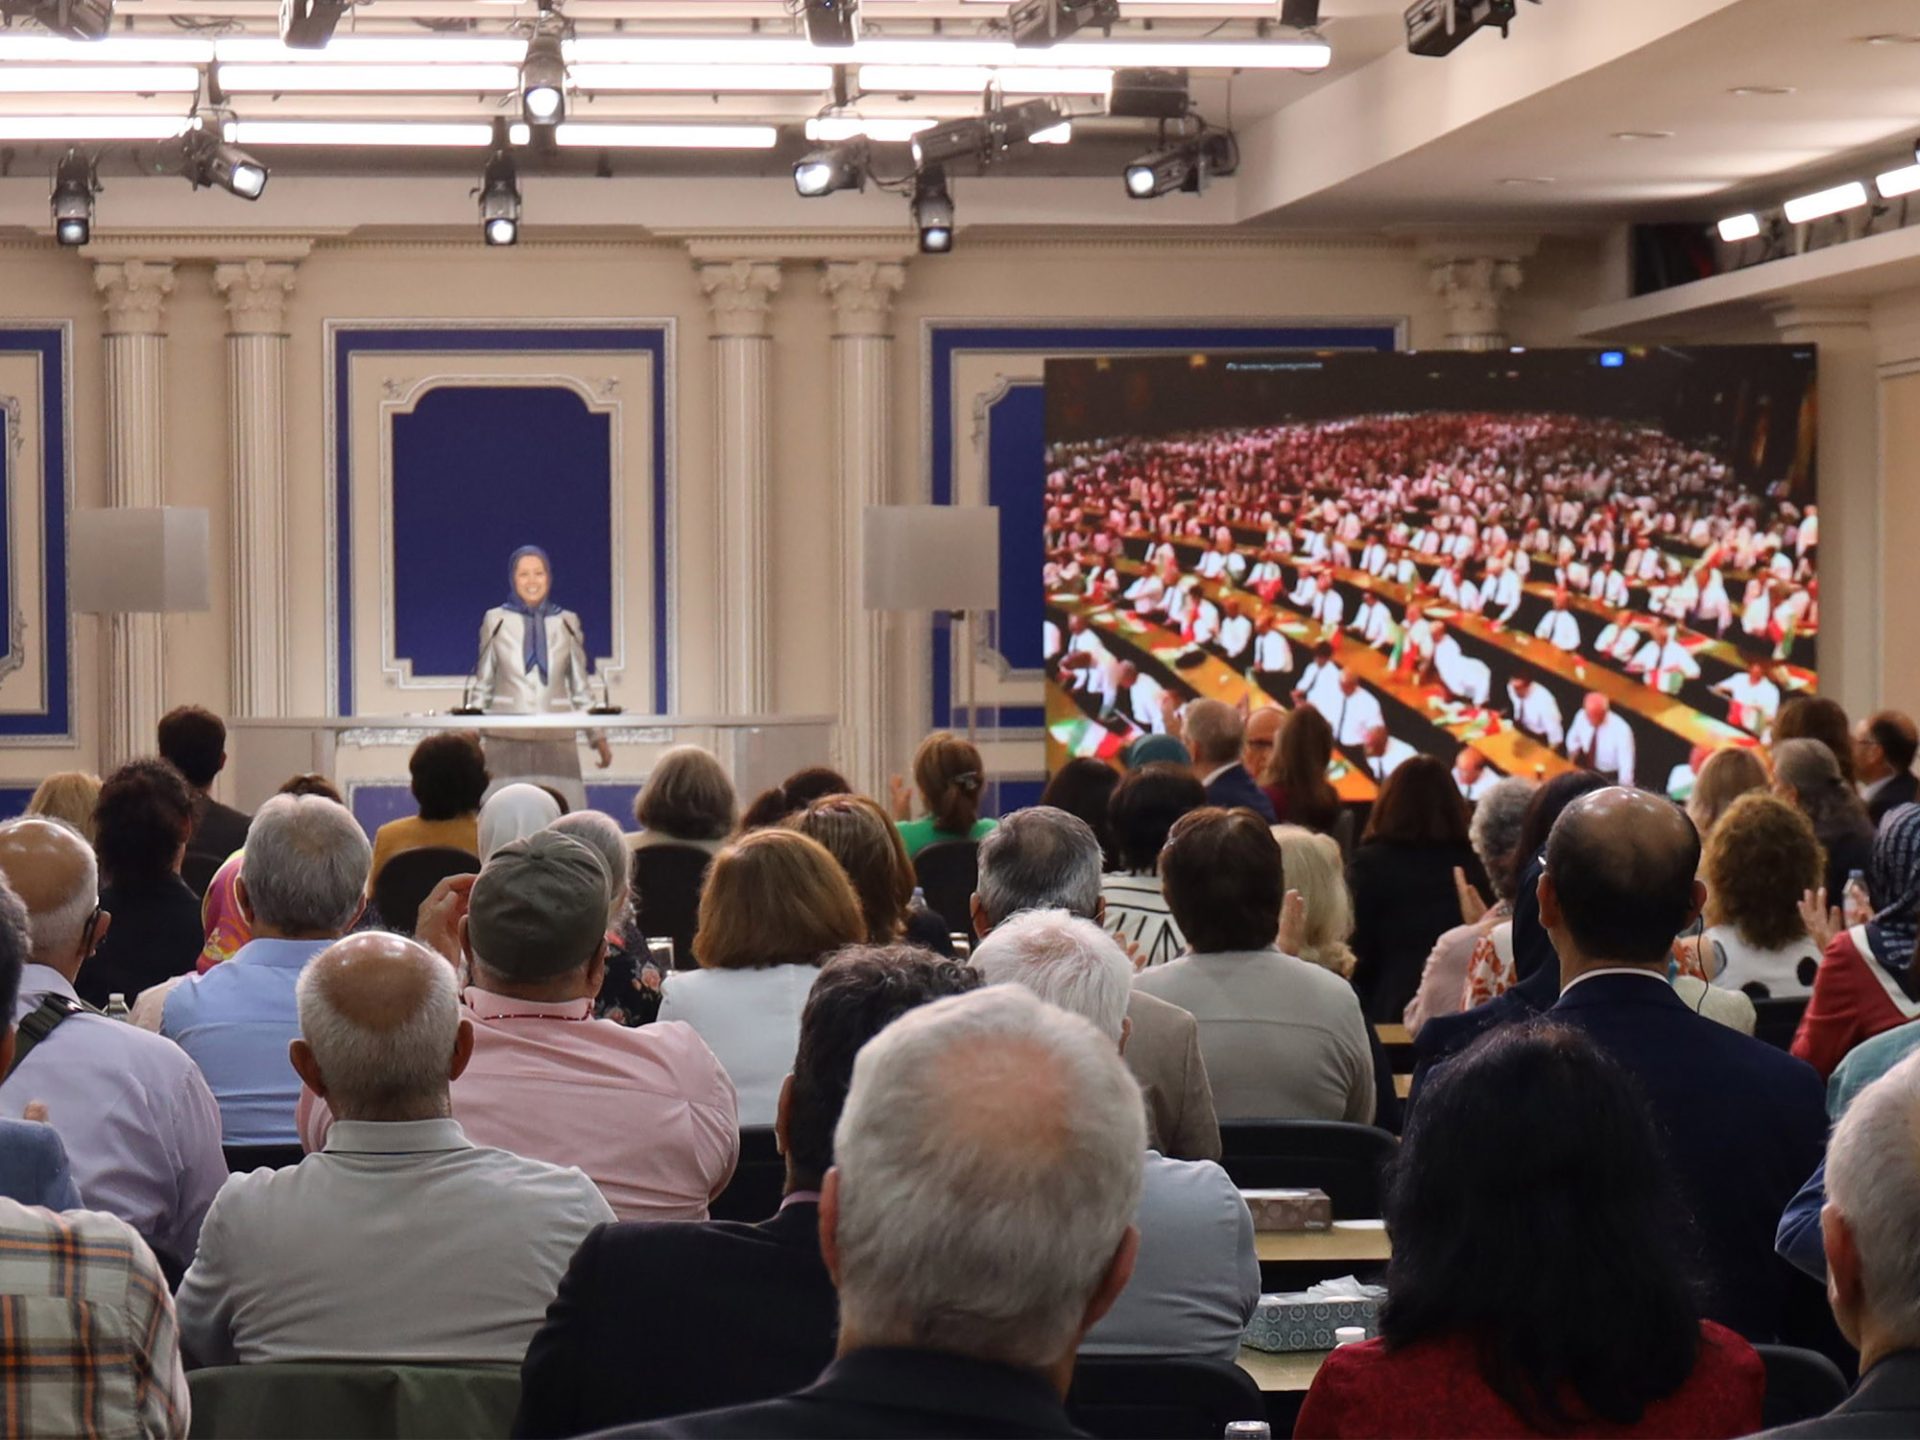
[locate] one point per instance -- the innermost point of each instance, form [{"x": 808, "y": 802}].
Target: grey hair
[
  {"x": 1029, "y": 1114},
  {"x": 1215, "y": 733},
  {"x": 305, "y": 866},
  {"x": 1495, "y": 832},
  {"x": 1064, "y": 960},
  {"x": 602, "y": 835},
  {"x": 1873, "y": 1180},
  {"x": 393, "y": 1072},
  {"x": 56, "y": 932},
  {"x": 1039, "y": 858},
  {"x": 688, "y": 796}
]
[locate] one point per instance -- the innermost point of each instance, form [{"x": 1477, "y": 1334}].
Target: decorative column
[
  {"x": 256, "y": 294},
  {"x": 1474, "y": 273},
  {"x": 862, "y": 293},
  {"x": 741, "y": 293},
  {"x": 134, "y": 294}
]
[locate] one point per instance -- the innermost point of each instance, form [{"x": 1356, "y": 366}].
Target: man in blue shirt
[
  {"x": 33, "y": 1162},
  {"x": 301, "y": 888}
]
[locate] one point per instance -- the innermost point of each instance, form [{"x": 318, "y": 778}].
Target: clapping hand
[
  {"x": 899, "y": 798},
  {"x": 1823, "y": 921},
  {"x": 1293, "y": 923},
  {"x": 1473, "y": 909},
  {"x": 438, "y": 925}
]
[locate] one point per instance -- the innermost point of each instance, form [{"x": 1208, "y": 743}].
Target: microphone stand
[
  {"x": 466, "y": 705},
  {"x": 606, "y": 705}
]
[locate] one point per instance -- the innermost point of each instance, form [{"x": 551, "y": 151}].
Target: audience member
[
  {"x": 1156, "y": 750},
  {"x": 227, "y": 928},
  {"x": 1197, "y": 1280},
  {"x": 951, "y": 778},
  {"x": 33, "y": 1163},
  {"x": 1402, "y": 876},
  {"x": 514, "y": 812},
  {"x": 1539, "y": 1284},
  {"x": 856, "y": 831},
  {"x": 140, "y": 1126},
  {"x": 1494, "y": 833},
  {"x": 776, "y": 904},
  {"x": 1084, "y": 787},
  {"x": 1264, "y": 725},
  {"x": 793, "y": 795},
  {"x": 630, "y": 990},
  {"x": 1145, "y": 805},
  {"x": 1760, "y": 859},
  {"x": 194, "y": 742},
  {"x": 1866, "y": 983},
  {"x": 1816, "y": 717},
  {"x": 687, "y": 800},
  {"x": 1804, "y": 772},
  {"x": 1727, "y": 774},
  {"x": 69, "y": 796},
  {"x": 449, "y": 780},
  {"x": 764, "y": 1287},
  {"x": 1742, "y": 1123},
  {"x": 141, "y": 824},
  {"x": 1216, "y": 734},
  {"x": 1283, "y": 1039},
  {"x": 1043, "y": 859},
  {"x": 403, "y": 1241},
  {"x": 1866, "y": 1063},
  {"x": 1295, "y": 780},
  {"x": 302, "y": 886},
  {"x": 1324, "y": 913},
  {"x": 1883, "y": 749},
  {"x": 965, "y": 1319}
]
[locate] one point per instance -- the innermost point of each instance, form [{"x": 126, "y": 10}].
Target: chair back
[
  {"x": 198, "y": 870},
  {"x": 759, "y": 1180},
  {"x": 405, "y": 882},
  {"x": 949, "y": 872},
  {"x": 1161, "y": 1399},
  {"x": 666, "y": 897},
  {"x": 324, "y": 1400},
  {"x": 243, "y": 1158},
  {"x": 1344, "y": 1160},
  {"x": 1800, "y": 1385},
  {"x": 1774, "y": 1021}
]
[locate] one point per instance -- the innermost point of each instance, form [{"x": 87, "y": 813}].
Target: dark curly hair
[
  {"x": 1760, "y": 858},
  {"x": 142, "y": 818},
  {"x": 449, "y": 775}
]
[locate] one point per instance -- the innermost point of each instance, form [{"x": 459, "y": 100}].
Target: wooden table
[
  {"x": 1287, "y": 1374},
  {"x": 1358, "y": 1240},
  {"x": 1391, "y": 1035},
  {"x": 1403, "y": 1085}
]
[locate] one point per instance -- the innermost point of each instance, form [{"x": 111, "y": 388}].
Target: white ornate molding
[
  {"x": 1795, "y": 319},
  {"x": 1475, "y": 293},
  {"x": 862, "y": 292},
  {"x": 168, "y": 246},
  {"x": 256, "y": 293},
  {"x": 740, "y": 295},
  {"x": 133, "y": 293}
]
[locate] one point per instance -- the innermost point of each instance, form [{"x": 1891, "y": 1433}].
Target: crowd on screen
[{"x": 488, "y": 1132}]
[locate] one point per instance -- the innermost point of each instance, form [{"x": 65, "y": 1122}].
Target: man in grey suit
[{"x": 1041, "y": 858}]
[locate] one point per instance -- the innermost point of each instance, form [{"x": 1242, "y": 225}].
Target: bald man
[
  {"x": 141, "y": 1127},
  {"x": 402, "y": 1240},
  {"x": 1263, "y": 731},
  {"x": 1744, "y": 1124},
  {"x": 1216, "y": 733}
]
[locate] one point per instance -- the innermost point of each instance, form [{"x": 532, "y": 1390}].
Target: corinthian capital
[
  {"x": 862, "y": 292},
  {"x": 740, "y": 294},
  {"x": 133, "y": 294},
  {"x": 256, "y": 293}
]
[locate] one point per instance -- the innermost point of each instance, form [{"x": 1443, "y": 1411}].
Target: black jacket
[
  {"x": 1404, "y": 899},
  {"x": 1235, "y": 787},
  {"x": 1901, "y": 789},
  {"x": 1886, "y": 1403}
]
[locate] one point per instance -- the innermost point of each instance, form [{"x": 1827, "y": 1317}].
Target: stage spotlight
[
  {"x": 832, "y": 23},
  {"x": 309, "y": 24},
  {"x": 933, "y": 211},
  {"x": 1149, "y": 95},
  {"x": 1300, "y": 14},
  {"x": 71, "y": 19},
  {"x": 72, "y": 201},
  {"x": 543, "y": 79},
  {"x": 1041, "y": 22},
  {"x": 1018, "y": 123},
  {"x": 950, "y": 140},
  {"x": 1439, "y": 27},
  {"x": 211, "y": 161},
  {"x": 500, "y": 193},
  {"x": 837, "y": 167},
  {"x": 1186, "y": 166}
]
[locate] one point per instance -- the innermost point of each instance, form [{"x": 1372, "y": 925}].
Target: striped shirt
[
  {"x": 87, "y": 1338},
  {"x": 1137, "y": 913}
]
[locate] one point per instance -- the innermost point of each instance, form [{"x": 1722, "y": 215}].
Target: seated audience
[
  {"x": 1494, "y": 833},
  {"x": 1145, "y": 805},
  {"x": 1816, "y": 717},
  {"x": 630, "y": 991},
  {"x": 69, "y": 796},
  {"x": 951, "y": 778},
  {"x": 1805, "y": 774},
  {"x": 966, "y": 1319},
  {"x": 1760, "y": 859},
  {"x": 1216, "y": 733},
  {"x": 793, "y": 795},
  {"x": 1197, "y": 1280},
  {"x": 775, "y": 905},
  {"x": 1883, "y": 749},
  {"x": 1866, "y": 982},
  {"x": 1263, "y": 734},
  {"x": 1402, "y": 876},
  {"x": 687, "y": 800},
  {"x": 1727, "y": 775},
  {"x": 302, "y": 886},
  {"x": 1538, "y": 1285},
  {"x": 1742, "y": 1123},
  {"x": 856, "y": 831},
  {"x": 1866, "y": 1063},
  {"x": 1044, "y": 859},
  {"x": 1084, "y": 787},
  {"x": 226, "y": 927},
  {"x": 514, "y": 812},
  {"x": 1323, "y": 917},
  {"x": 449, "y": 779},
  {"x": 142, "y": 823},
  {"x": 764, "y": 1287},
  {"x": 140, "y": 1126},
  {"x": 403, "y": 1241},
  {"x": 1295, "y": 779},
  {"x": 33, "y": 1163},
  {"x": 194, "y": 741},
  {"x": 1283, "y": 1039}
]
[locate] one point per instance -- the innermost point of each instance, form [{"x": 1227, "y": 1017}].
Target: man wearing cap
[{"x": 649, "y": 1114}]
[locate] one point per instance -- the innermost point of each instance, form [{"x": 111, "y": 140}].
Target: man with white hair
[
  {"x": 1197, "y": 1280},
  {"x": 402, "y": 1241},
  {"x": 965, "y": 1319},
  {"x": 1216, "y": 733},
  {"x": 141, "y": 1128},
  {"x": 302, "y": 885}
]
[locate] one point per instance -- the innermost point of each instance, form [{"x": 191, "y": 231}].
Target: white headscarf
[{"x": 514, "y": 812}]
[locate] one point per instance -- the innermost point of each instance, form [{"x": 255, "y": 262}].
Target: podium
[{"x": 758, "y": 751}]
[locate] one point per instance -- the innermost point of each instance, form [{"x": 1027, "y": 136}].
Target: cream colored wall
[{"x": 1900, "y": 534}]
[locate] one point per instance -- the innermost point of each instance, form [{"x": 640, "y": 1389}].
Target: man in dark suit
[
  {"x": 194, "y": 742},
  {"x": 977, "y": 1223},
  {"x": 1216, "y": 733},
  {"x": 1744, "y": 1124},
  {"x": 728, "y": 1313},
  {"x": 1883, "y": 749},
  {"x": 1873, "y": 1268}
]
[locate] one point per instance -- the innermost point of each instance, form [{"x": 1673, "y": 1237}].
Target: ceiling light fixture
[
  {"x": 309, "y": 24},
  {"x": 1286, "y": 53},
  {"x": 838, "y": 167},
  {"x": 1034, "y": 23},
  {"x": 1632, "y": 135},
  {"x": 358, "y": 132},
  {"x": 1736, "y": 228},
  {"x": 93, "y": 127},
  {"x": 831, "y": 24},
  {"x": 211, "y": 161},
  {"x": 890, "y": 129},
  {"x": 1748, "y": 92},
  {"x": 500, "y": 192},
  {"x": 932, "y": 211},
  {"x": 87, "y": 20},
  {"x": 1822, "y": 203},
  {"x": 543, "y": 79},
  {"x": 1904, "y": 181},
  {"x": 74, "y": 187},
  {"x": 702, "y": 79},
  {"x": 374, "y": 50},
  {"x": 1186, "y": 165},
  {"x": 972, "y": 79},
  {"x": 576, "y": 136},
  {"x": 17, "y": 47},
  {"x": 98, "y": 79},
  {"x": 1521, "y": 181},
  {"x": 371, "y": 79}
]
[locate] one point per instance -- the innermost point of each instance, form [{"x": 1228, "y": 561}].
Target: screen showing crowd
[{"x": 1516, "y": 561}]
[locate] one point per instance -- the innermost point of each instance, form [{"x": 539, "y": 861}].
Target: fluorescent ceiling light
[
  {"x": 1802, "y": 208},
  {"x": 348, "y": 132},
  {"x": 375, "y": 50},
  {"x": 1898, "y": 182},
  {"x": 99, "y": 79},
  {"x": 765, "y": 79},
  {"x": 115, "y": 50},
  {"x": 575, "y": 135},
  {"x": 1071, "y": 54},
  {"x": 895, "y": 129},
  {"x": 1736, "y": 228},
  {"x": 376, "y": 79},
  {"x": 972, "y": 79},
  {"x": 93, "y": 127},
  {"x": 1053, "y": 135}
]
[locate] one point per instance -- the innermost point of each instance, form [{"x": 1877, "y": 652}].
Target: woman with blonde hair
[
  {"x": 67, "y": 795},
  {"x": 1314, "y": 872},
  {"x": 775, "y": 905},
  {"x": 951, "y": 779},
  {"x": 1724, "y": 778}
]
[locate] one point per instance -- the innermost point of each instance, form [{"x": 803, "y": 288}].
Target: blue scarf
[
  {"x": 1893, "y": 887},
  {"x": 534, "y": 645}
]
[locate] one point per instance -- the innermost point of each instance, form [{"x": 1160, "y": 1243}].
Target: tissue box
[
  {"x": 1289, "y": 1209},
  {"x": 1306, "y": 1320}
]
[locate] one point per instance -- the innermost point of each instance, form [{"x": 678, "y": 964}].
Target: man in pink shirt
[{"x": 649, "y": 1114}]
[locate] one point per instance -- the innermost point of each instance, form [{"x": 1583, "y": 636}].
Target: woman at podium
[{"x": 533, "y": 661}]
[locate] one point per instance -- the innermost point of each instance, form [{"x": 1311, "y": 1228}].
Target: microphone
[
  {"x": 466, "y": 705},
  {"x": 606, "y": 705}
]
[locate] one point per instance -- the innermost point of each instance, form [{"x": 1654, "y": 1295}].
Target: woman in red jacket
[{"x": 1538, "y": 1285}]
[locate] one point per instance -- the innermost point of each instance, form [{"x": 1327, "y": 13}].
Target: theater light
[
  {"x": 1903, "y": 181},
  {"x": 543, "y": 80},
  {"x": 98, "y": 79},
  {"x": 933, "y": 211},
  {"x": 839, "y": 167},
  {"x": 93, "y": 127},
  {"x": 72, "y": 199},
  {"x": 356, "y": 132},
  {"x": 383, "y": 79},
  {"x": 1802, "y": 208},
  {"x": 500, "y": 194},
  {"x": 1736, "y": 228},
  {"x": 211, "y": 161}
]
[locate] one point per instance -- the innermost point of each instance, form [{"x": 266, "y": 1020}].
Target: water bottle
[
  {"x": 117, "y": 1007},
  {"x": 1855, "y": 907},
  {"x": 1249, "y": 1430}
]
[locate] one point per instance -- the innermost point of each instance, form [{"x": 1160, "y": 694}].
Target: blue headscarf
[
  {"x": 1893, "y": 888},
  {"x": 534, "y": 646}
]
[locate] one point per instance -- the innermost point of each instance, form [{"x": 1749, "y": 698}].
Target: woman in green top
[{"x": 950, "y": 777}]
